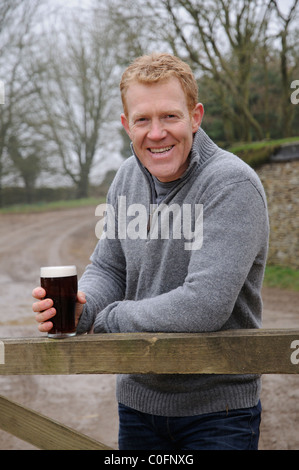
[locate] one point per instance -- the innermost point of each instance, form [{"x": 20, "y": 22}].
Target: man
[{"x": 207, "y": 277}]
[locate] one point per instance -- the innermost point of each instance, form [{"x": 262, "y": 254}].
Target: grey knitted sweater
[{"x": 203, "y": 273}]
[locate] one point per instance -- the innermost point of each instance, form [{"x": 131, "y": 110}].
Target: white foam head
[{"x": 58, "y": 271}]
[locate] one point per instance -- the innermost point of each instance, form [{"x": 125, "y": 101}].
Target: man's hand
[{"x": 45, "y": 311}]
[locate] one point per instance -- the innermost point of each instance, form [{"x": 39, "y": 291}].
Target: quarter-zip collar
[{"x": 202, "y": 149}]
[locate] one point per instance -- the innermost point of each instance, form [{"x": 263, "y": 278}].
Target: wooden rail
[
  {"x": 228, "y": 352},
  {"x": 41, "y": 431},
  {"x": 261, "y": 351}
]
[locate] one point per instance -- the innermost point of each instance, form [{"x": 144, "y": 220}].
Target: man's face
[{"x": 161, "y": 127}]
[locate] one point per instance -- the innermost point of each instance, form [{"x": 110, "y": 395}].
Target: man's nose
[{"x": 157, "y": 131}]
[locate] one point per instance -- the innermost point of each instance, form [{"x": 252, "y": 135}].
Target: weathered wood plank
[
  {"x": 229, "y": 352},
  {"x": 42, "y": 432}
]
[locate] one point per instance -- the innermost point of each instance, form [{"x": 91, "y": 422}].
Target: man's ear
[
  {"x": 197, "y": 115},
  {"x": 125, "y": 124}
]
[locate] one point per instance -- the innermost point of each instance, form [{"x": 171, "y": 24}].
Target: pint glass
[{"x": 61, "y": 285}]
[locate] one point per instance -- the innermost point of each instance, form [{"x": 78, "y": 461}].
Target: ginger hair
[{"x": 157, "y": 67}]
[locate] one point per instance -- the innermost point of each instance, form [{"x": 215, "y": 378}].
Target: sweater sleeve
[
  {"x": 235, "y": 233},
  {"x": 104, "y": 280}
]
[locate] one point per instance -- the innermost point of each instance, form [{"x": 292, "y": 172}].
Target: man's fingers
[
  {"x": 45, "y": 311},
  {"x": 81, "y": 297},
  {"x": 45, "y": 327},
  {"x": 39, "y": 293},
  {"x": 45, "y": 315},
  {"x": 42, "y": 305}
]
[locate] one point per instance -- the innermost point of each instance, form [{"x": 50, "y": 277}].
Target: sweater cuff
[
  {"x": 85, "y": 321},
  {"x": 99, "y": 324},
  {"x": 105, "y": 319}
]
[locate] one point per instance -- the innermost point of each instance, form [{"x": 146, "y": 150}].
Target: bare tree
[
  {"x": 77, "y": 88},
  {"x": 16, "y": 38},
  {"x": 221, "y": 37},
  {"x": 286, "y": 66},
  {"x": 27, "y": 162}
]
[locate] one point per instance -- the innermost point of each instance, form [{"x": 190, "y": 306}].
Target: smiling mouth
[{"x": 161, "y": 151}]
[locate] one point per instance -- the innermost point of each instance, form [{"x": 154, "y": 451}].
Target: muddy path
[{"x": 87, "y": 403}]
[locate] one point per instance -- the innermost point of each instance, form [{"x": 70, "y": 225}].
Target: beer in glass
[{"x": 61, "y": 285}]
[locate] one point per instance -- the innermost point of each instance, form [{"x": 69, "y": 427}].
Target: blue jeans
[{"x": 226, "y": 430}]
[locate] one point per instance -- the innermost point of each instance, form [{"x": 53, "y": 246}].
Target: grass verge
[
  {"x": 258, "y": 153},
  {"x": 282, "y": 277},
  {"x": 51, "y": 206}
]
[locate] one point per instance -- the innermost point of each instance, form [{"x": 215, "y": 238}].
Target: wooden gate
[{"x": 261, "y": 351}]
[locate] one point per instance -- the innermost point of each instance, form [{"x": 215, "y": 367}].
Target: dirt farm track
[{"x": 86, "y": 402}]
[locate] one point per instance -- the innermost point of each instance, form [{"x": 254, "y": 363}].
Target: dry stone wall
[{"x": 281, "y": 182}]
